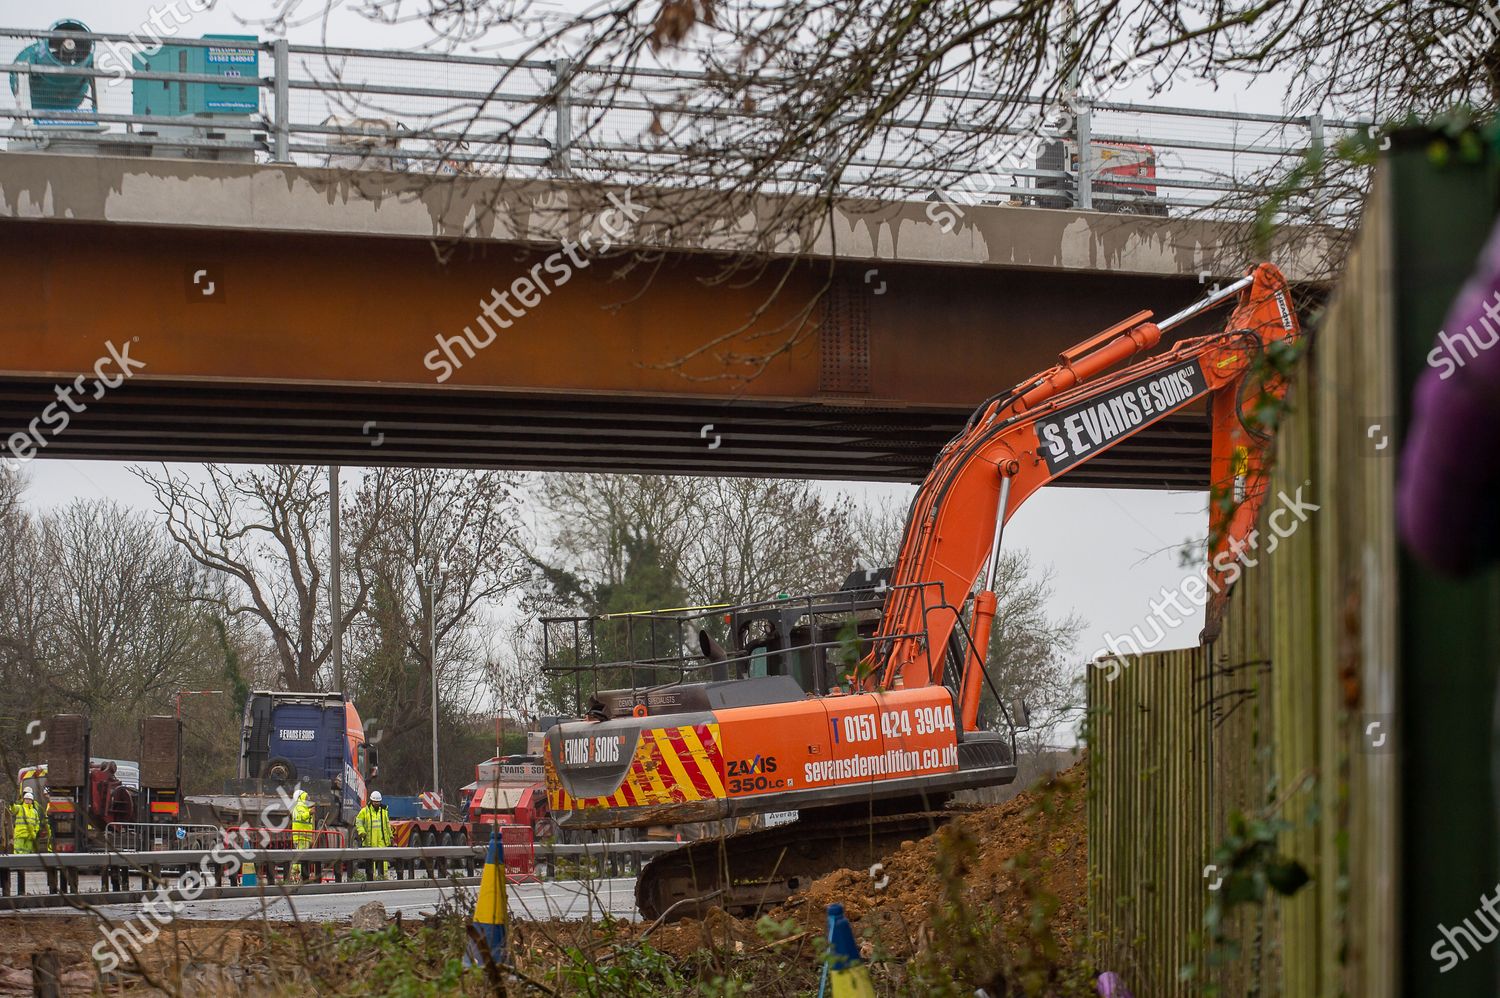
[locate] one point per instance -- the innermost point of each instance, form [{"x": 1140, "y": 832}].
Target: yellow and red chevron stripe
[{"x": 671, "y": 766}]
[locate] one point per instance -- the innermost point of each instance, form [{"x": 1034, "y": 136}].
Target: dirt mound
[
  {"x": 717, "y": 931},
  {"x": 1023, "y": 862}
]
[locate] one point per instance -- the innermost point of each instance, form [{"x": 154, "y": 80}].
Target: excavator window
[
  {"x": 772, "y": 653},
  {"x": 805, "y": 666},
  {"x": 803, "y": 645}
]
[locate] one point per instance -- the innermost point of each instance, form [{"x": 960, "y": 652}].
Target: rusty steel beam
[{"x": 322, "y": 349}]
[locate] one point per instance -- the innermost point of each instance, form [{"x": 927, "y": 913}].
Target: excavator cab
[
  {"x": 813, "y": 640},
  {"x": 807, "y": 643}
]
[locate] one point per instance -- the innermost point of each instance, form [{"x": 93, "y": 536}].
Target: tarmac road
[{"x": 556, "y": 899}]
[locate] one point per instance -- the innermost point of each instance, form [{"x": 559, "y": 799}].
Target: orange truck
[{"x": 862, "y": 709}]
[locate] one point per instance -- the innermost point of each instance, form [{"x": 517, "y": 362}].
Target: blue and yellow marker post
[
  {"x": 489, "y": 908},
  {"x": 844, "y": 969}
]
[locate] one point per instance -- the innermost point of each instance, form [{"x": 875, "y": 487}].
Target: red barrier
[{"x": 520, "y": 852}]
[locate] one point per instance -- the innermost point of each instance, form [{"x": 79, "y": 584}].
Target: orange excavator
[{"x": 860, "y": 710}]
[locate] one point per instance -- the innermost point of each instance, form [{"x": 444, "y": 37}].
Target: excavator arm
[{"x": 1042, "y": 429}]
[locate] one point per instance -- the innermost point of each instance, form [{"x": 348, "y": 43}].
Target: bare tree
[
  {"x": 793, "y": 95},
  {"x": 12, "y": 489},
  {"x": 878, "y": 528},
  {"x": 1030, "y": 653},
  {"x": 445, "y": 542},
  {"x": 589, "y": 520},
  {"x": 512, "y": 677},
  {"x": 720, "y": 539},
  {"x": 265, "y": 528},
  {"x": 98, "y": 616},
  {"x": 124, "y": 631},
  {"x": 755, "y": 538},
  {"x": 25, "y": 694}
]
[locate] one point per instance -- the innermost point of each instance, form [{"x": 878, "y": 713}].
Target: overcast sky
[{"x": 1111, "y": 550}]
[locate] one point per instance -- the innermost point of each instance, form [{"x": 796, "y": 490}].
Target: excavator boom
[{"x": 1071, "y": 414}]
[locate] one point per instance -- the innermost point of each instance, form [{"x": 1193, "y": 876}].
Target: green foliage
[
  {"x": 234, "y": 675},
  {"x": 395, "y": 963},
  {"x": 390, "y": 682},
  {"x": 1030, "y": 651},
  {"x": 773, "y": 931},
  {"x": 972, "y": 947},
  {"x": 846, "y": 657},
  {"x": 1252, "y": 869},
  {"x": 624, "y": 971},
  {"x": 648, "y": 581},
  {"x": 1460, "y": 135},
  {"x": 720, "y": 986}
]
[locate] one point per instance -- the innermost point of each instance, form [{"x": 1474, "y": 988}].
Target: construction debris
[{"x": 369, "y": 917}]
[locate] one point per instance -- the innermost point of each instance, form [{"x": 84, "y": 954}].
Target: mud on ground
[
  {"x": 1025, "y": 860},
  {"x": 1018, "y": 868},
  {"x": 206, "y": 957}
]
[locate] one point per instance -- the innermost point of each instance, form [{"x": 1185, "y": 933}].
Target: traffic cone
[
  {"x": 845, "y": 970},
  {"x": 489, "y": 907}
]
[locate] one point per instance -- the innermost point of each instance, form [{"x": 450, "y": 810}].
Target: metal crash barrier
[
  {"x": 227, "y": 868},
  {"x": 265, "y": 837}
]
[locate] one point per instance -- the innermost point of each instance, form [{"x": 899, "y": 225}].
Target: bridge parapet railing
[{"x": 450, "y": 113}]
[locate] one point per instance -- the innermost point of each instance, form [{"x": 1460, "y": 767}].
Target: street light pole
[
  {"x": 335, "y": 595},
  {"x": 432, "y": 663}
]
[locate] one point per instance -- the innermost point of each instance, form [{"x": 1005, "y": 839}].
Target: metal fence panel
[{"x": 156, "y": 836}]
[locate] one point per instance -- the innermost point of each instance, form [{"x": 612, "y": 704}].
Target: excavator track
[{"x": 751, "y": 871}]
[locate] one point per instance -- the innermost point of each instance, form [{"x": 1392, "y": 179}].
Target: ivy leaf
[
  {"x": 1240, "y": 888},
  {"x": 1287, "y": 876}
]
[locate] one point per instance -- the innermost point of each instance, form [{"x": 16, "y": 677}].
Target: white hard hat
[
  {"x": 374, "y": 796},
  {"x": 301, "y": 794},
  {"x": 28, "y": 795}
]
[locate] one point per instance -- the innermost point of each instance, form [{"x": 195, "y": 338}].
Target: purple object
[
  {"x": 1446, "y": 499},
  {"x": 1110, "y": 985}
]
